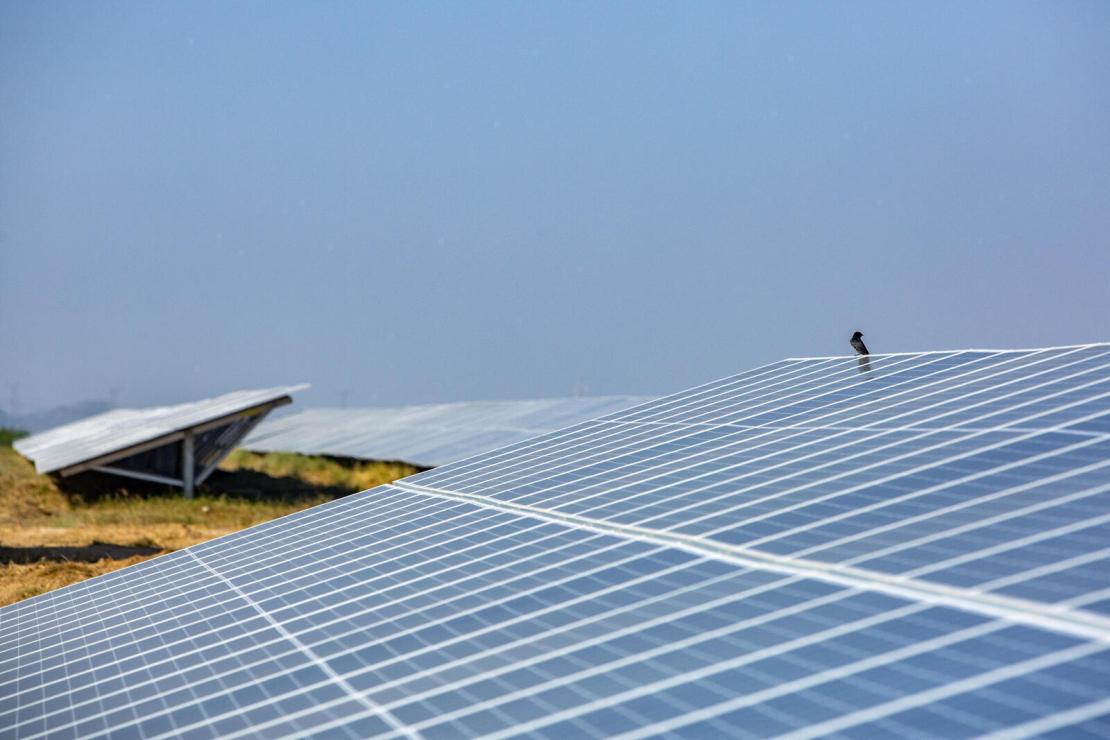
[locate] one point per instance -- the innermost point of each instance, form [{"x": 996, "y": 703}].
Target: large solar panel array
[
  {"x": 918, "y": 545},
  {"x": 430, "y": 434}
]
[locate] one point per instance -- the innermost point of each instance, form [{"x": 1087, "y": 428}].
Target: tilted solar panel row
[{"x": 914, "y": 545}]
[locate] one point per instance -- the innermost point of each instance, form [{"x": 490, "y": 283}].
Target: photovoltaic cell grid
[{"x": 916, "y": 545}]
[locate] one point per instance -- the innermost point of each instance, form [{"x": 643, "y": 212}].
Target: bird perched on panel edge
[
  {"x": 863, "y": 357},
  {"x": 857, "y": 344}
]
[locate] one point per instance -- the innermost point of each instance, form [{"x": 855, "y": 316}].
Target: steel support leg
[{"x": 187, "y": 466}]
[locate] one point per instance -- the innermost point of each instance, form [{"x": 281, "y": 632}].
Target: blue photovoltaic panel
[{"x": 914, "y": 545}]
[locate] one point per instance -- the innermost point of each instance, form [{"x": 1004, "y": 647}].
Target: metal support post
[{"x": 187, "y": 465}]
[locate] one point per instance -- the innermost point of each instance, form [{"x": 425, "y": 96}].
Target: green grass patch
[{"x": 9, "y": 435}]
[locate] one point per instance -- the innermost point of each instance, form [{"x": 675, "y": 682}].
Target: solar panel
[
  {"x": 427, "y": 435},
  {"x": 176, "y": 445},
  {"x": 913, "y": 546}
]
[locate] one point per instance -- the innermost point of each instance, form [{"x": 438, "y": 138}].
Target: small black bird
[{"x": 858, "y": 345}]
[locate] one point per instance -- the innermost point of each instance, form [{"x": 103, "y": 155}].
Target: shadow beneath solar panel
[
  {"x": 256, "y": 486},
  {"x": 248, "y": 485},
  {"x": 88, "y": 554},
  {"x": 263, "y": 478}
]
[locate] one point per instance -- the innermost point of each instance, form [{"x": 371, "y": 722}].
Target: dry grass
[
  {"x": 355, "y": 475},
  {"x": 18, "y": 582},
  {"x": 23, "y": 493},
  {"x": 249, "y": 489}
]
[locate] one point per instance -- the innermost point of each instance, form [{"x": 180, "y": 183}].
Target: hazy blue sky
[{"x": 445, "y": 201}]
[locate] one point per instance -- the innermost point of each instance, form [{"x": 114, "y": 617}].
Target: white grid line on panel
[
  {"x": 1048, "y": 533},
  {"x": 729, "y": 494},
  {"x": 570, "y": 627},
  {"x": 749, "y": 386},
  {"x": 626, "y": 660},
  {"x": 112, "y": 649},
  {"x": 823, "y": 383},
  {"x": 1052, "y": 722},
  {"x": 771, "y": 373},
  {"x": 19, "y": 659},
  {"x": 815, "y": 483},
  {"x": 1015, "y": 544},
  {"x": 607, "y": 666},
  {"x": 94, "y": 601},
  {"x": 399, "y": 726},
  {"x": 168, "y": 578},
  {"x": 1055, "y": 567},
  {"x": 976, "y": 375},
  {"x": 756, "y": 487},
  {"x": 781, "y": 689},
  {"x": 132, "y": 624},
  {"x": 747, "y": 443},
  {"x": 797, "y": 608},
  {"x": 477, "y": 608},
  {"x": 428, "y": 521},
  {"x": 709, "y": 426},
  {"x": 824, "y": 729},
  {"x": 332, "y": 656},
  {"x": 407, "y": 597},
  {"x": 486, "y": 504},
  {"x": 545, "y": 586},
  {"x": 503, "y": 479},
  {"x": 966, "y": 504},
  {"x": 633, "y": 467},
  {"x": 920, "y": 434},
  {"x": 939, "y": 693},
  {"x": 72, "y": 710},
  {"x": 946, "y": 351},
  {"x": 1084, "y": 625},
  {"x": 1088, "y": 598},
  {"x": 513, "y": 447},
  {"x": 897, "y": 499},
  {"x": 492, "y": 456},
  {"x": 64, "y": 668},
  {"x": 78, "y": 588},
  {"x": 871, "y": 396},
  {"x": 546, "y": 610},
  {"x": 434, "y": 531},
  {"x": 548, "y": 450},
  {"x": 782, "y": 388}
]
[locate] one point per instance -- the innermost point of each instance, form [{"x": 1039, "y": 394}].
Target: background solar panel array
[
  {"x": 430, "y": 434},
  {"x": 917, "y": 545},
  {"x": 115, "y": 430}
]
